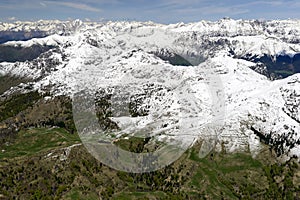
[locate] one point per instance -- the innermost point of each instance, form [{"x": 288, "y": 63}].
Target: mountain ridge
[{"x": 92, "y": 56}]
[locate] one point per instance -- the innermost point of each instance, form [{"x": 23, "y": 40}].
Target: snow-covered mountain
[
  {"x": 46, "y": 26},
  {"x": 196, "y": 76}
]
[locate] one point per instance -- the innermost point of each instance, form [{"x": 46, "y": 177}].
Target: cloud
[
  {"x": 43, "y": 4},
  {"x": 255, "y": 3},
  {"x": 211, "y": 10},
  {"x": 186, "y": 2},
  {"x": 11, "y": 18},
  {"x": 79, "y": 6},
  {"x": 103, "y": 1},
  {"x": 170, "y": 4}
]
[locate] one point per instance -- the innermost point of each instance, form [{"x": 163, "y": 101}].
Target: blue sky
[{"x": 162, "y": 11}]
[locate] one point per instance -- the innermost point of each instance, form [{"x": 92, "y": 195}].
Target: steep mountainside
[{"x": 194, "y": 81}]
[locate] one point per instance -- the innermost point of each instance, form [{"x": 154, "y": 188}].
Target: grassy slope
[
  {"x": 27, "y": 172},
  {"x": 32, "y": 141}
]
